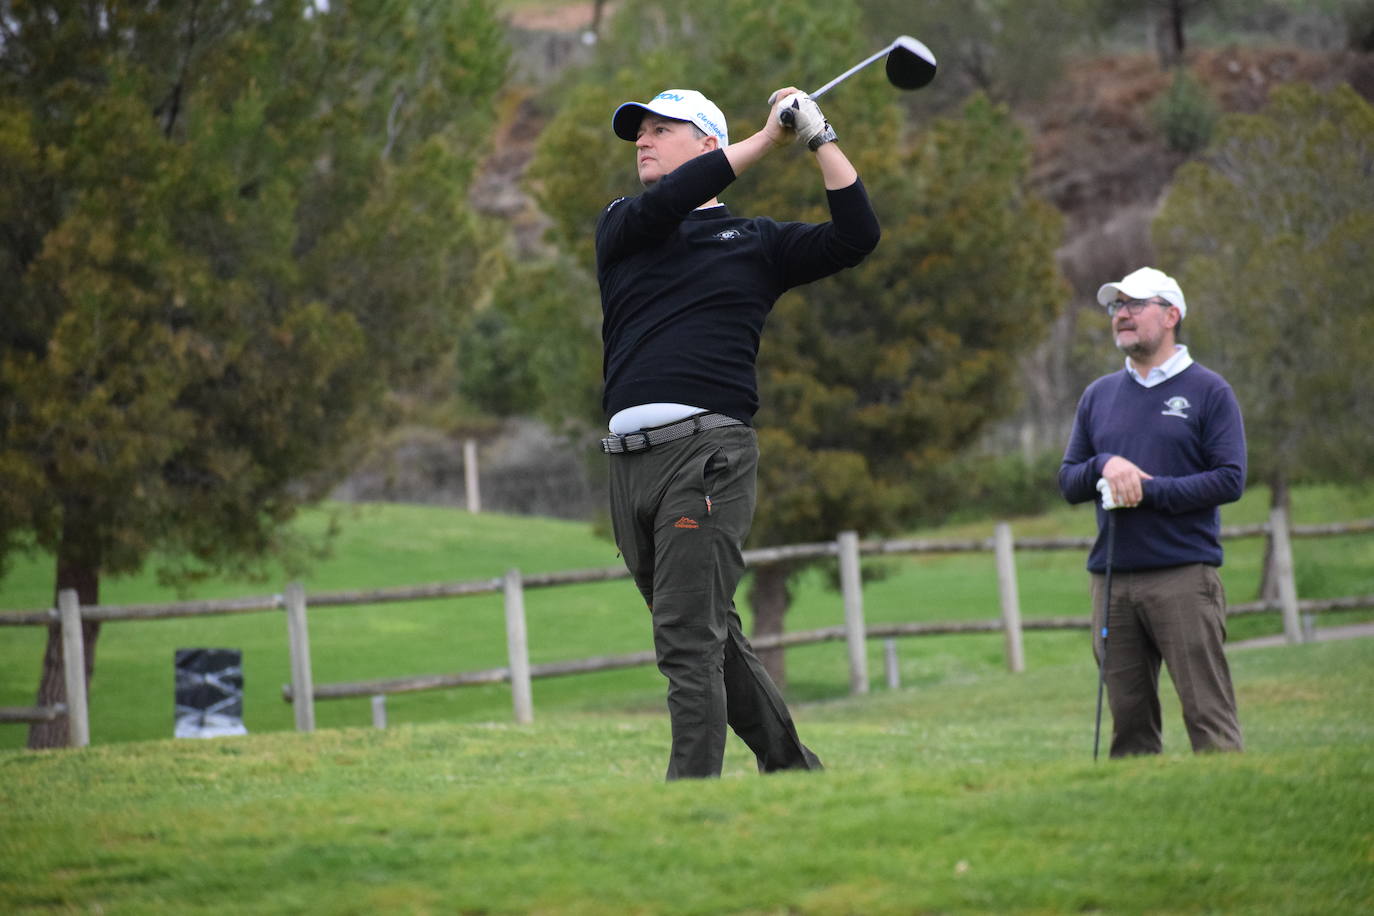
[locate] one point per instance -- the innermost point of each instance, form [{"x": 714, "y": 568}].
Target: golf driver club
[
  {"x": 910, "y": 65},
  {"x": 1106, "y": 610}
]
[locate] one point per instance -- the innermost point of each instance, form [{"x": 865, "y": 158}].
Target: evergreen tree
[
  {"x": 1270, "y": 232},
  {"x": 871, "y": 381},
  {"x": 225, "y": 229},
  {"x": 533, "y": 348},
  {"x": 1010, "y": 50},
  {"x": 875, "y": 382}
]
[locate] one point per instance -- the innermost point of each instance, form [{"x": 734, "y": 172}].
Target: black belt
[{"x": 647, "y": 438}]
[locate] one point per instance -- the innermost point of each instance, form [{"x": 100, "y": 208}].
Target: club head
[{"x": 910, "y": 65}]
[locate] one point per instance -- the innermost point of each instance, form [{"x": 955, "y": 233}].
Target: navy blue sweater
[
  {"x": 1188, "y": 433},
  {"x": 685, "y": 292}
]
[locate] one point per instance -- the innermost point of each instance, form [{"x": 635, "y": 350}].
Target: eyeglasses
[{"x": 1131, "y": 307}]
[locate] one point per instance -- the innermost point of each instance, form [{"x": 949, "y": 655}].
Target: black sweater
[{"x": 685, "y": 292}]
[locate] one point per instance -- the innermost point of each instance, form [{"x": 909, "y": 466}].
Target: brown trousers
[{"x": 1177, "y": 615}]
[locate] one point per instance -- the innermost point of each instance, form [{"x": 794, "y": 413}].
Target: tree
[
  {"x": 1170, "y": 20},
  {"x": 875, "y": 383},
  {"x": 1010, "y": 50},
  {"x": 225, "y": 229},
  {"x": 1270, "y": 232},
  {"x": 872, "y": 380},
  {"x": 579, "y": 165},
  {"x": 534, "y": 348}
]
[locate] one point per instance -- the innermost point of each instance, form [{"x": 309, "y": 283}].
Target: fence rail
[
  {"x": 385, "y": 686},
  {"x": 847, "y": 548},
  {"x": 24, "y": 714},
  {"x": 756, "y": 557}
]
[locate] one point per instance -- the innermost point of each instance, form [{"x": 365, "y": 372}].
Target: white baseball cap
[
  {"x": 678, "y": 104},
  {"x": 1145, "y": 283}
]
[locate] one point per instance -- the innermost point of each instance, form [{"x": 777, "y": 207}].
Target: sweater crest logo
[
  {"x": 727, "y": 235},
  {"x": 1176, "y": 406}
]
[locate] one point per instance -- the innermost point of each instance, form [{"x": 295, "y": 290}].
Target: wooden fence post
[
  {"x": 74, "y": 669},
  {"x": 470, "y": 478},
  {"x": 1011, "y": 599},
  {"x": 890, "y": 667},
  {"x": 517, "y": 648},
  {"x": 302, "y": 682},
  {"x": 851, "y": 585},
  {"x": 1283, "y": 570}
]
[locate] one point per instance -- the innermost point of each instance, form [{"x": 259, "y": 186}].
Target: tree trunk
[
  {"x": 1279, "y": 496},
  {"x": 74, "y": 571},
  {"x": 1176, "y": 13},
  {"x": 1169, "y": 33},
  {"x": 770, "y": 598}
]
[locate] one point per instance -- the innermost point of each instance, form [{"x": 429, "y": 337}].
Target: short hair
[{"x": 1178, "y": 328}]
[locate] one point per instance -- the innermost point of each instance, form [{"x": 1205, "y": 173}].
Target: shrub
[
  {"x": 1000, "y": 486},
  {"x": 1186, "y": 114}
]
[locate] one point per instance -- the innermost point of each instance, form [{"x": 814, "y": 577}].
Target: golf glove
[
  {"x": 803, "y": 115},
  {"x": 1106, "y": 490}
]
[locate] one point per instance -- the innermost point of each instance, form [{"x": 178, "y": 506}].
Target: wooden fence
[{"x": 847, "y": 548}]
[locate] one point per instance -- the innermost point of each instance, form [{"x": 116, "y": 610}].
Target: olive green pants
[
  {"x": 681, "y": 512},
  {"x": 1177, "y": 615}
]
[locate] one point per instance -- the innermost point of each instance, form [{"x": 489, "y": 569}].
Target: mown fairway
[
  {"x": 968, "y": 790},
  {"x": 962, "y": 797}
]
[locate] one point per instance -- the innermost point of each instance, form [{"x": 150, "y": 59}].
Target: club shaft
[
  {"x": 1106, "y": 611},
  {"x": 851, "y": 71},
  {"x": 1097, "y": 729}
]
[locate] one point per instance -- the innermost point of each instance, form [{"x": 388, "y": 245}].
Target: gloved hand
[
  {"x": 1106, "y": 490},
  {"x": 801, "y": 113}
]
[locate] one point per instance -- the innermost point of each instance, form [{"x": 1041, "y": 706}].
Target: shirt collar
[{"x": 1165, "y": 370}]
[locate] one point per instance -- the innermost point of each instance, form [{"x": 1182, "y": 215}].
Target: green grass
[
  {"x": 971, "y": 797},
  {"x": 381, "y": 545}
]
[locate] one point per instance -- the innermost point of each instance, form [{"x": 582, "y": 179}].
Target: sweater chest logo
[
  {"x": 1176, "y": 407},
  {"x": 728, "y": 235}
]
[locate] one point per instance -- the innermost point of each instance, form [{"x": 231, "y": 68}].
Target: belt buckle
[{"x": 623, "y": 440}]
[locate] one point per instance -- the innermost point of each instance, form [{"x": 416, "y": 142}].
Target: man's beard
[{"x": 1138, "y": 350}]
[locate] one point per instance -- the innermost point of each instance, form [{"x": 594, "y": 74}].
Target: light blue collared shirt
[{"x": 1165, "y": 370}]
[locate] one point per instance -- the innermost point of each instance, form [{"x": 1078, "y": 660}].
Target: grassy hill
[
  {"x": 971, "y": 797},
  {"x": 382, "y": 545}
]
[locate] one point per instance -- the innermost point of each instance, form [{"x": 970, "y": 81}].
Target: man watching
[{"x": 1164, "y": 440}]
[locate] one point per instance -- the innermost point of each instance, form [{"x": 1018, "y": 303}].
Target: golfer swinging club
[{"x": 685, "y": 289}]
